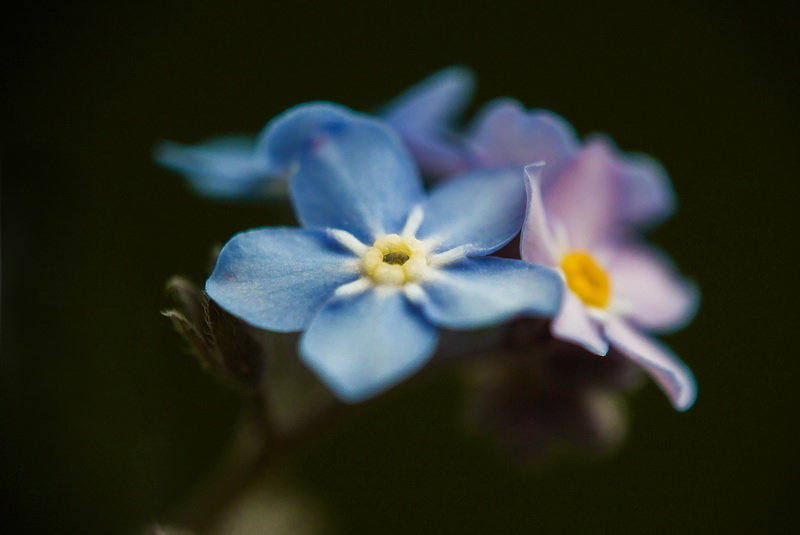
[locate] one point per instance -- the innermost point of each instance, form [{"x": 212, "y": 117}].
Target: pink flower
[{"x": 617, "y": 288}]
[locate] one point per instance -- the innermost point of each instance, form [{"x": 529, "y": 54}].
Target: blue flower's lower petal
[
  {"x": 363, "y": 344},
  {"x": 482, "y": 210},
  {"x": 672, "y": 375},
  {"x": 476, "y": 292},
  {"x": 223, "y": 168},
  {"x": 424, "y": 115},
  {"x": 352, "y": 174},
  {"x": 278, "y": 278}
]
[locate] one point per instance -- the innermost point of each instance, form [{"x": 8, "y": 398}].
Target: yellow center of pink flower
[{"x": 586, "y": 278}]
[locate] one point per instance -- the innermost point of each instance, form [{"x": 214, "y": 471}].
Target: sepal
[{"x": 225, "y": 345}]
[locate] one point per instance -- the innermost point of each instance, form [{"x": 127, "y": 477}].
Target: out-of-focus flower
[
  {"x": 231, "y": 168},
  {"x": 425, "y": 115},
  {"x": 221, "y": 168},
  {"x": 504, "y": 134},
  {"x": 377, "y": 266},
  {"x": 240, "y": 168},
  {"x": 616, "y": 287},
  {"x": 534, "y": 393}
]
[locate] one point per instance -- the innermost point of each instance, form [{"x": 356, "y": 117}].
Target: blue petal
[
  {"x": 363, "y": 344},
  {"x": 286, "y": 136},
  {"x": 356, "y": 176},
  {"x": 505, "y": 134},
  {"x": 477, "y": 292},
  {"x": 482, "y": 210},
  {"x": 223, "y": 167},
  {"x": 424, "y": 116},
  {"x": 278, "y": 278}
]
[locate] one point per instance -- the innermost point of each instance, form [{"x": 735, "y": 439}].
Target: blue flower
[
  {"x": 424, "y": 116},
  {"x": 220, "y": 168},
  {"x": 377, "y": 266},
  {"x": 231, "y": 167}
]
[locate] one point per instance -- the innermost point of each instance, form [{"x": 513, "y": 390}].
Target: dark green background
[{"x": 106, "y": 423}]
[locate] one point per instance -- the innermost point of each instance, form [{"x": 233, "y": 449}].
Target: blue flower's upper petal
[
  {"x": 476, "y": 292},
  {"x": 356, "y": 176},
  {"x": 506, "y": 134},
  {"x": 223, "y": 167},
  {"x": 286, "y": 136},
  {"x": 278, "y": 278},
  {"x": 424, "y": 116},
  {"x": 363, "y": 344},
  {"x": 672, "y": 375},
  {"x": 481, "y": 210}
]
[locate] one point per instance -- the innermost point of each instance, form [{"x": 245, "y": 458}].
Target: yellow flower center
[
  {"x": 586, "y": 279},
  {"x": 395, "y": 259}
]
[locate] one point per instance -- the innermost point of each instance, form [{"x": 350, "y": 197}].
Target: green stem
[{"x": 255, "y": 451}]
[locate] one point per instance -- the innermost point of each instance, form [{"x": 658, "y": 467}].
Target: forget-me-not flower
[
  {"x": 223, "y": 168},
  {"x": 616, "y": 288},
  {"x": 424, "y": 116},
  {"x": 230, "y": 167},
  {"x": 378, "y": 266},
  {"x": 504, "y": 134}
]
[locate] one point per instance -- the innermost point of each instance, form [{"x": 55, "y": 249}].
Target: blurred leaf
[{"x": 225, "y": 345}]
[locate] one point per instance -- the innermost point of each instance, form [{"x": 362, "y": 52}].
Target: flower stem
[{"x": 256, "y": 450}]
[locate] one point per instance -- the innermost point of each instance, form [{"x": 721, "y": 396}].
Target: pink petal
[
  {"x": 671, "y": 374},
  {"x": 537, "y": 244},
  {"x": 649, "y": 198},
  {"x": 573, "y": 324},
  {"x": 585, "y": 197},
  {"x": 649, "y": 291}
]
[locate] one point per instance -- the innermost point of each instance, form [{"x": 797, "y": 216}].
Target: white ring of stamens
[
  {"x": 414, "y": 292},
  {"x": 448, "y": 257},
  {"x": 419, "y": 263},
  {"x": 413, "y": 222},
  {"x": 348, "y": 241},
  {"x": 353, "y": 288}
]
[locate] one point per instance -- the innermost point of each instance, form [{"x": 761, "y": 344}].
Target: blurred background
[{"x": 107, "y": 423}]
